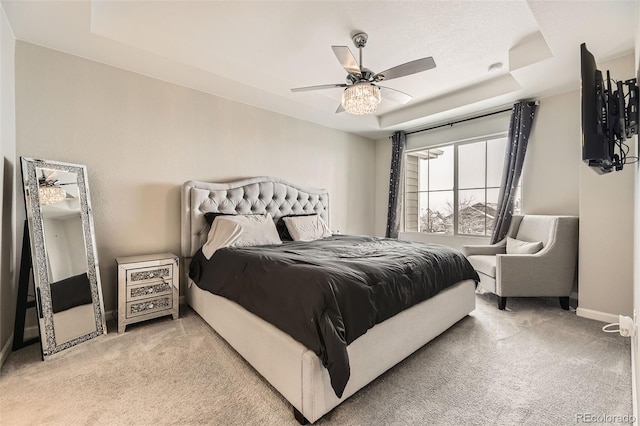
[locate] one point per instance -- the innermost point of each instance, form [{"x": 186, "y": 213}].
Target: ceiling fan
[
  {"x": 52, "y": 179},
  {"x": 362, "y": 95},
  {"x": 50, "y": 189}
]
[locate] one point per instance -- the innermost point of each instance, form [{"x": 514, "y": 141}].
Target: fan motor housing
[{"x": 366, "y": 76}]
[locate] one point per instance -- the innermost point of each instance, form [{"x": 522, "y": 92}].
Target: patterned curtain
[
  {"x": 519, "y": 130},
  {"x": 396, "y": 184}
]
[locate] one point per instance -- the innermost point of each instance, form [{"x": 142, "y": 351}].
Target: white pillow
[
  {"x": 222, "y": 234},
  {"x": 522, "y": 247},
  {"x": 306, "y": 228},
  {"x": 240, "y": 231}
]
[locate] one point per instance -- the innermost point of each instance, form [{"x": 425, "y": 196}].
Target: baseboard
[
  {"x": 634, "y": 372},
  {"x": 597, "y": 315},
  {"x": 31, "y": 332},
  {"x": 6, "y": 350}
]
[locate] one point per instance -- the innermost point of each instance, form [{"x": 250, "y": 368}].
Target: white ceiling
[{"x": 255, "y": 52}]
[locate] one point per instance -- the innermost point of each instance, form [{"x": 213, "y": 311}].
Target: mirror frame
[{"x": 41, "y": 277}]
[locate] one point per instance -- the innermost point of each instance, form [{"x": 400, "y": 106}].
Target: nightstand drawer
[
  {"x": 148, "y": 306},
  {"x": 144, "y": 275},
  {"x": 149, "y": 289}
]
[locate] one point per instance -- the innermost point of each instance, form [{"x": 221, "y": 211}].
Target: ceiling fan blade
[
  {"x": 395, "y": 95},
  {"x": 340, "y": 109},
  {"x": 320, "y": 87},
  {"x": 408, "y": 68},
  {"x": 346, "y": 59}
]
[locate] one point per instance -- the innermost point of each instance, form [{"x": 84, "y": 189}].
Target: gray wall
[
  {"x": 635, "y": 341},
  {"x": 9, "y": 257},
  {"x": 605, "y": 286},
  {"x": 550, "y": 175},
  {"x": 142, "y": 138}
]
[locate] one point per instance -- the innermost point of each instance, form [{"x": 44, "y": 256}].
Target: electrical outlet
[{"x": 627, "y": 326}]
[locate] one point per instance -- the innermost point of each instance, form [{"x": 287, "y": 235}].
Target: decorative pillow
[
  {"x": 306, "y": 228},
  {"x": 283, "y": 232},
  {"x": 240, "y": 231},
  {"x": 522, "y": 247},
  {"x": 223, "y": 233}
]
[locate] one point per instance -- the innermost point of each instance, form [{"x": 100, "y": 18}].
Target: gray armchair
[{"x": 549, "y": 272}]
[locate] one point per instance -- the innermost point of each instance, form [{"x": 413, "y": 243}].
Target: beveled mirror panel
[{"x": 65, "y": 263}]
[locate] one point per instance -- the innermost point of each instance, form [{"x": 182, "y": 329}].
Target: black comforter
[{"x": 327, "y": 293}]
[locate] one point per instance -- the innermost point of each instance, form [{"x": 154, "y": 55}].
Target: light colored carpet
[{"x": 534, "y": 364}]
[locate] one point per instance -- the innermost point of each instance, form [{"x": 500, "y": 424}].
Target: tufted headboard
[{"x": 254, "y": 195}]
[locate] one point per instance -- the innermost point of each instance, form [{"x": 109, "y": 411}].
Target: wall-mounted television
[{"x": 609, "y": 116}]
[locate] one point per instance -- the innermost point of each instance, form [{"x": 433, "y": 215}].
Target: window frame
[{"x": 456, "y": 187}]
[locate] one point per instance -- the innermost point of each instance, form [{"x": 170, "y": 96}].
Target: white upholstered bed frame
[{"x": 295, "y": 371}]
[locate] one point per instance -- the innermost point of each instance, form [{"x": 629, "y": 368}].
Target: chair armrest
[
  {"x": 493, "y": 249},
  {"x": 538, "y": 274}
]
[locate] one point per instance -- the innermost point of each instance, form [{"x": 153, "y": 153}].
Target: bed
[{"x": 292, "y": 369}]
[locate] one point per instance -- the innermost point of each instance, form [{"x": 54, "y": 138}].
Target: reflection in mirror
[{"x": 64, "y": 256}]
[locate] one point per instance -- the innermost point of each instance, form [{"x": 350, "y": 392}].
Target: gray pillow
[{"x": 522, "y": 247}]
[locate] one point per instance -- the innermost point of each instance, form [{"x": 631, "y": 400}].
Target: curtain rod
[{"x": 459, "y": 121}]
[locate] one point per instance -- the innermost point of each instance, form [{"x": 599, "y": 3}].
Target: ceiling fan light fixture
[
  {"x": 361, "y": 98},
  {"x": 51, "y": 194}
]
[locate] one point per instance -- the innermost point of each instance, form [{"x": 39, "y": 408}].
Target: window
[{"x": 454, "y": 189}]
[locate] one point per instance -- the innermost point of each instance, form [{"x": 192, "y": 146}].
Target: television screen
[{"x": 597, "y": 146}]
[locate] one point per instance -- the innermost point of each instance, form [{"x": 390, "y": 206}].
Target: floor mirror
[{"x": 66, "y": 275}]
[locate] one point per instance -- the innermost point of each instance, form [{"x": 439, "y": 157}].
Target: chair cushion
[
  {"x": 522, "y": 247},
  {"x": 484, "y": 263},
  {"x": 537, "y": 228}
]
